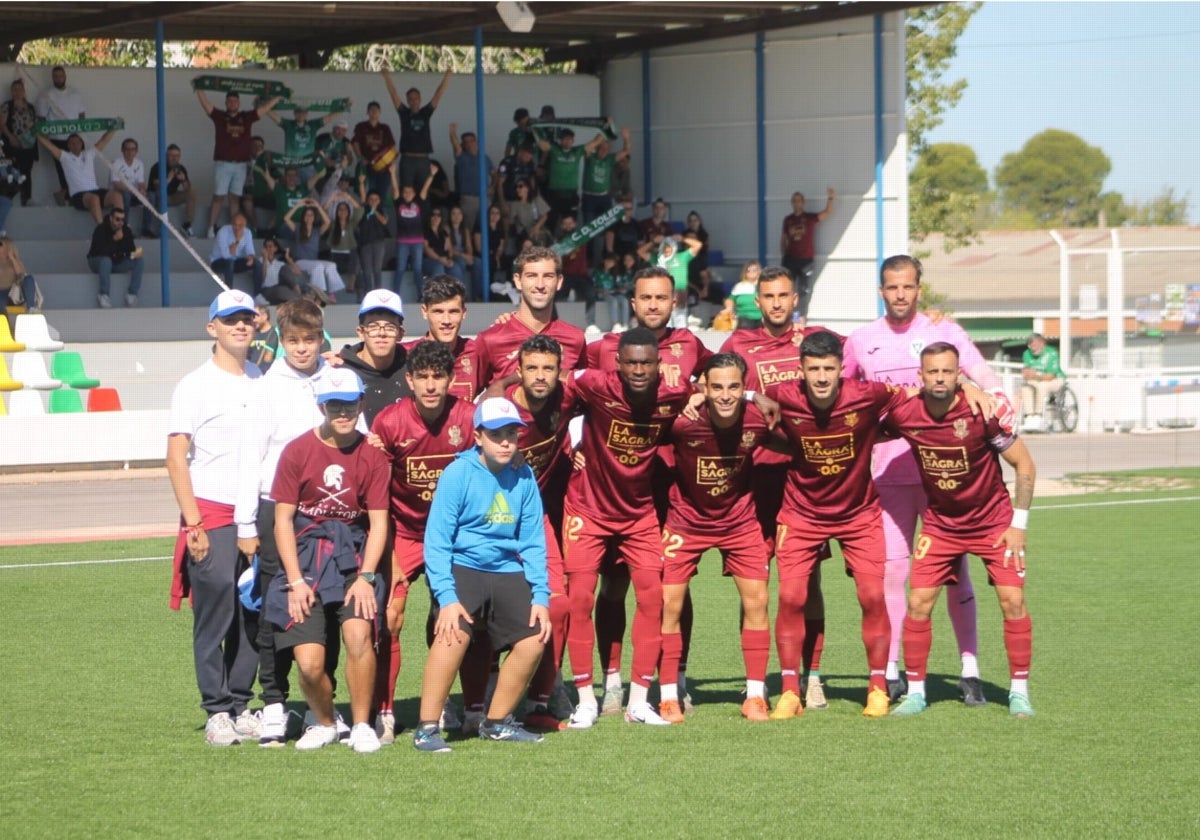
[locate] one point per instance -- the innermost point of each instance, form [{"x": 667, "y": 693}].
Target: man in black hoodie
[{"x": 378, "y": 358}]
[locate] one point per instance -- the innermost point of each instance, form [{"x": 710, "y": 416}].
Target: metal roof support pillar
[{"x": 481, "y": 136}]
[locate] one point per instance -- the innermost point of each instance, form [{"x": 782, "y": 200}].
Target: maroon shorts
[
  {"x": 410, "y": 560},
  {"x": 586, "y": 541},
  {"x": 743, "y": 553},
  {"x": 936, "y": 554},
  {"x": 798, "y": 544}
]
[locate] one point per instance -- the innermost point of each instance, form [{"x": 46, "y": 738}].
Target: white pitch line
[
  {"x": 1122, "y": 502},
  {"x": 82, "y": 562}
]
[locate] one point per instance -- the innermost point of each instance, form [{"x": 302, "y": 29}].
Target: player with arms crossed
[
  {"x": 888, "y": 350},
  {"x": 969, "y": 512}
]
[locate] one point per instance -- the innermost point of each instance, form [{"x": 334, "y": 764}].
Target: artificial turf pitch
[{"x": 101, "y": 734}]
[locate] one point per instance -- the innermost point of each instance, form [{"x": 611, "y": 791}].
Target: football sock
[
  {"x": 610, "y": 632},
  {"x": 668, "y": 670},
  {"x": 612, "y": 681},
  {"x": 917, "y": 687},
  {"x": 387, "y": 671},
  {"x": 682, "y": 681},
  {"x": 789, "y": 630},
  {"x": 918, "y": 638},
  {"x": 961, "y": 607},
  {"x": 893, "y": 671},
  {"x": 647, "y": 624},
  {"x": 895, "y": 576},
  {"x": 638, "y": 695},
  {"x": 587, "y": 696},
  {"x": 667, "y": 691},
  {"x": 756, "y": 650},
  {"x": 814, "y": 625},
  {"x": 756, "y": 688},
  {"x": 560, "y": 612},
  {"x": 1018, "y": 642},
  {"x": 876, "y": 632},
  {"x": 1019, "y": 687},
  {"x": 686, "y": 617},
  {"x": 581, "y": 634},
  {"x": 970, "y": 666}
]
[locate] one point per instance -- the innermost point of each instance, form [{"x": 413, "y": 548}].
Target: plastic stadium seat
[
  {"x": 7, "y": 383},
  {"x": 30, "y": 368},
  {"x": 68, "y": 366},
  {"x": 7, "y": 343},
  {"x": 103, "y": 399},
  {"x": 716, "y": 258},
  {"x": 677, "y": 227},
  {"x": 26, "y": 404},
  {"x": 35, "y": 333},
  {"x": 66, "y": 401}
]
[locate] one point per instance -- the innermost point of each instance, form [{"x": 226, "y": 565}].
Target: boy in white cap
[
  {"x": 331, "y": 525},
  {"x": 378, "y": 358},
  {"x": 485, "y": 557},
  {"x": 209, "y": 414}
]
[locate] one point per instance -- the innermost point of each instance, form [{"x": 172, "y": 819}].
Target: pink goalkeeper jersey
[{"x": 880, "y": 352}]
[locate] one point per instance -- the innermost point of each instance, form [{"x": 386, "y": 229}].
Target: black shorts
[
  {"x": 77, "y": 198},
  {"x": 314, "y": 629},
  {"x": 499, "y": 603}
]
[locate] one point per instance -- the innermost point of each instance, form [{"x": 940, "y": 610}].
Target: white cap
[
  {"x": 496, "y": 413},
  {"x": 381, "y": 299},
  {"x": 227, "y": 303},
  {"x": 341, "y": 384}
]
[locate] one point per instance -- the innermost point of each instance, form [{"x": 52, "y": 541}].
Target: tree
[
  {"x": 1056, "y": 179},
  {"x": 945, "y": 189},
  {"x": 931, "y": 43},
  {"x": 1164, "y": 209}
]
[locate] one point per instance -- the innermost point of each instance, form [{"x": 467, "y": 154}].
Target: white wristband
[
  {"x": 1020, "y": 519},
  {"x": 748, "y": 396}
]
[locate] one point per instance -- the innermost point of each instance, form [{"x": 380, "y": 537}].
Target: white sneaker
[
  {"x": 618, "y": 328},
  {"x": 363, "y": 739},
  {"x": 612, "y": 701},
  {"x": 814, "y": 698},
  {"x": 471, "y": 723},
  {"x": 219, "y": 731},
  {"x": 130, "y": 300},
  {"x": 693, "y": 322},
  {"x": 592, "y": 332},
  {"x": 643, "y": 713},
  {"x": 584, "y": 717},
  {"x": 273, "y": 732},
  {"x": 317, "y": 736},
  {"x": 385, "y": 727},
  {"x": 685, "y": 701},
  {"x": 449, "y": 719},
  {"x": 343, "y": 728},
  {"x": 104, "y": 301},
  {"x": 248, "y": 725}
]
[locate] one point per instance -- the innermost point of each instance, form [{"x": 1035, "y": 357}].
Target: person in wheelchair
[{"x": 1042, "y": 373}]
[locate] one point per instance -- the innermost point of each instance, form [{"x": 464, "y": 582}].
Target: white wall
[
  {"x": 130, "y": 93},
  {"x": 819, "y": 121}
]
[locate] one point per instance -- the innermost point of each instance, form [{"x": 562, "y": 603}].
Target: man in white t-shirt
[
  {"x": 128, "y": 171},
  {"x": 60, "y": 102},
  {"x": 78, "y": 165},
  {"x": 208, "y": 421}
]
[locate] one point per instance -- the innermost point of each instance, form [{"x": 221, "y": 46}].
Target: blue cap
[
  {"x": 496, "y": 413},
  {"x": 249, "y": 592},
  {"x": 341, "y": 384},
  {"x": 231, "y": 302}
]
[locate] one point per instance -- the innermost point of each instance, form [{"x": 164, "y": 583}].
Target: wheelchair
[{"x": 1059, "y": 414}]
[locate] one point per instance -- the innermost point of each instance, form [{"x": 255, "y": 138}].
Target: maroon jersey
[
  {"x": 770, "y": 361},
  {"x": 543, "y": 441},
  {"x": 500, "y": 344},
  {"x": 373, "y": 139},
  {"x": 958, "y": 458},
  {"x": 466, "y": 379},
  {"x": 325, "y": 482},
  {"x": 418, "y": 453},
  {"x": 681, "y": 355},
  {"x": 799, "y": 229},
  {"x": 711, "y": 493},
  {"x": 830, "y": 477},
  {"x": 651, "y": 229},
  {"x": 619, "y": 444},
  {"x": 233, "y": 141}
]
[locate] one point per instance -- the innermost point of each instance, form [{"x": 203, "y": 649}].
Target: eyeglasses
[
  {"x": 378, "y": 330},
  {"x": 238, "y": 318},
  {"x": 341, "y": 409}
]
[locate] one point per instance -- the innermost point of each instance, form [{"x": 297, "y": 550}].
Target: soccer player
[
  {"x": 969, "y": 512},
  {"x": 486, "y": 555},
  {"x": 772, "y": 358},
  {"x": 610, "y": 505},
  {"x": 712, "y": 506},
  {"x": 378, "y": 358},
  {"x": 421, "y": 435},
  {"x": 537, "y": 275},
  {"x": 330, "y": 485},
  {"x": 209, "y": 412},
  {"x": 888, "y": 350},
  {"x": 443, "y": 306}
]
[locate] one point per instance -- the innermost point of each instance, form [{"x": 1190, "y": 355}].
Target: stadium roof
[{"x": 589, "y": 33}]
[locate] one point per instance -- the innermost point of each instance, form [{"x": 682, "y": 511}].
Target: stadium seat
[
  {"x": 34, "y": 332},
  {"x": 716, "y": 259},
  {"x": 68, "y": 366},
  {"x": 103, "y": 399},
  {"x": 25, "y": 404},
  {"x": 66, "y": 401},
  {"x": 7, "y": 343},
  {"x": 29, "y": 367},
  {"x": 676, "y": 228},
  {"x": 7, "y": 383}
]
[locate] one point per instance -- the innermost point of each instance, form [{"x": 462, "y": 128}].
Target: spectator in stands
[
  {"x": 674, "y": 256},
  {"x": 179, "y": 191},
  {"x": 266, "y": 340},
  {"x": 625, "y": 236},
  {"x": 374, "y": 241},
  {"x": 374, "y": 144},
  {"x": 622, "y": 177},
  {"x": 527, "y": 217},
  {"x": 78, "y": 163},
  {"x": 341, "y": 241},
  {"x": 416, "y": 142},
  {"x": 742, "y": 302},
  {"x": 323, "y": 275},
  {"x": 300, "y": 138},
  {"x": 604, "y": 281},
  {"x": 466, "y": 173},
  {"x": 126, "y": 173},
  {"x": 289, "y": 194},
  {"x": 233, "y": 253},
  {"x": 1042, "y": 372},
  {"x": 597, "y": 179},
  {"x": 437, "y": 246},
  {"x": 60, "y": 102},
  {"x": 521, "y": 133},
  {"x": 517, "y": 167},
  {"x": 232, "y": 150},
  {"x": 17, "y": 118},
  {"x": 283, "y": 280},
  {"x": 258, "y": 194},
  {"x": 462, "y": 246},
  {"x": 13, "y": 276},
  {"x": 496, "y": 246},
  {"x": 113, "y": 250},
  {"x": 412, "y": 208},
  {"x": 797, "y": 243},
  {"x": 335, "y": 149},
  {"x": 9, "y": 187},
  {"x": 699, "y": 277},
  {"x": 658, "y": 226},
  {"x": 562, "y": 172},
  {"x": 577, "y": 281}
]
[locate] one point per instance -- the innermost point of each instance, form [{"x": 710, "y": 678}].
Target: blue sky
[{"x": 1123, "y": 76}]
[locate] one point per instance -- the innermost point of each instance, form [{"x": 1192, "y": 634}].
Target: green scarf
[
  {"x": 236, "y": 84},
  {"x": 329, "y": 106},
  {"x": 63, "y": 128},
  {"x": 589, "y": 231}
]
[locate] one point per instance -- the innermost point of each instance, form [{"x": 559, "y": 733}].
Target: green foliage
[
  {"x": 1056, "y": 177},
  {"x": 945, "y": 190},
  {"x": 1164, "y": 209},
  {"x": 931, "y": 39}
]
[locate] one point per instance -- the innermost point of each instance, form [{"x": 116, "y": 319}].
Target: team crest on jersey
[
  {"x": 851, "y": 419},
  {"x": 916, "y": 347},
  {"x": 465, "y": 364},
  {"x": 960, "y": 429},
  {"x": 455, "y": 436},
  {"x": 665, "y": 411},
  {"x": 676, "y": 349},
  {"x": 748, "y": 439}
]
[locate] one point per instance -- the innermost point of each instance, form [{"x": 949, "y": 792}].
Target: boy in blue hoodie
[{"x": 485, "y": 560}]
